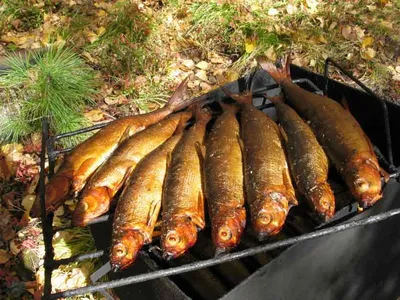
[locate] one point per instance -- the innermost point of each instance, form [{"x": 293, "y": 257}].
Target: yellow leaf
[
  {"x": 92, "y": 37},
  {"x": 367, "y": 41},
  {"x": 232, "y": 75},
  {"x": 322, "y": 39},
  {"x": 249, "y": 45},
  {"x": 94, "y": 115},
  {"x": 100, "y": 30}
]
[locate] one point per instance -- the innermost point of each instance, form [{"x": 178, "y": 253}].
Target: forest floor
[{"x": 141, "y": 50}]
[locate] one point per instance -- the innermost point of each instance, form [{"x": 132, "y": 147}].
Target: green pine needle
[{"x": 55, "y": 83}]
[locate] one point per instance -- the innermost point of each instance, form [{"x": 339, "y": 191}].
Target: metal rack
[{"x": 48, "y": 145}]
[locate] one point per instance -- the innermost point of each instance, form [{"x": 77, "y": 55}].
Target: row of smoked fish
[{"x": 253, "y": 160}]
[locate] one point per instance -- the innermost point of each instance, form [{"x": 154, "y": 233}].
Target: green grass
[
  {"x": 55, "y": 84},
  {"x": 28, "y": 16}
]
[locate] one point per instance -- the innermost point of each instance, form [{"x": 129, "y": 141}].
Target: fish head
[
  {"x": 323, "y": 199},
  {"x": 269, "y": 215},
  {"x": 364, "y": 180},
  {"x": 94, "y": 202},
  {"x": 179, "y": 235},
  {"x": 227, "y": 229},
  {"x": 125, "y": 248}
]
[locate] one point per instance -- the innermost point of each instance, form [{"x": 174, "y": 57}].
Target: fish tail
[
  {"x": 279, "y": 75},
  {"x": 202, "y": 115},
  {"x": 177, "y": 100},
  {"x": 56, "y": 192},
  {"x": 185, "y": 116},
  {"x": 276, "y": 99},
  {"x": 232, "y": 108}
]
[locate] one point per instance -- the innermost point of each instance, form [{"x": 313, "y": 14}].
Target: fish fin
[
  {"x": 283, "y": 135},
  {"x": 278, "y": 75},
  {"x": 287, "y": 181},
  {"x": 243, "y": 98},
  {"x": 202, "y": 115},
  {"x": 127, "y": 133},
  {"x": 177, "y": 101},
  {"x": 385, "y": 175},
  {"x": 200, "y": 149},
  {"x": 276, "y": 99},
  {"x": 198, "y": 217},
  {"x": 345, "y": 104},
  {"x": 153, "y": 213},
  {"x": 183, "y": 121},
  {"x": 229, "y": 107}
]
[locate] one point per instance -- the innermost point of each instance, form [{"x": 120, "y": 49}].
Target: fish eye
[
  {"x": 265, "y": 218},
  {"x": 362, "y": 185},
  {"x": 120, "y": 250},
  {"x": 173, "y": 238},
  {"x": 225, "y": 233}
]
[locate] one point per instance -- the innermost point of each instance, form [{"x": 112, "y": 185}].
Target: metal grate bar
[
  {"x": 80, "y": 257},
  {"x": 227, "y": 257}
]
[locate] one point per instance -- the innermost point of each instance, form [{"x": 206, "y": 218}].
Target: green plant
[
  {"x": 27, "y": 16},
  {"x": 54, "y": 83}
]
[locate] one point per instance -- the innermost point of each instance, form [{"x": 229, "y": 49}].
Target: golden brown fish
[
  {"x": 341, "y": 136},
  {"x": 307, "y": 160},
  {"x": 223, "y": 166},
  {"x": 139, "y": 205},
  {"x": 269, "y": 189},
  {"x": 81, "y": 163},
  {"x": 108, "y": 179},
  {"x": 183, "y": 200}
]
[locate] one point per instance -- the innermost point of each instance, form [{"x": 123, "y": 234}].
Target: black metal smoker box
[{"x": 346, "y": 258}]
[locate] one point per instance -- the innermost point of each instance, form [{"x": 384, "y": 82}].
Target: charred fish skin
[
  {"x": 183, "y": 199},
  {"x": 224, "y": 180},
  {"x": 307, "y": 160},
  {"x": 83, "y": 161},
  {"x": 340, "y": 135},
  {"x": 105, "y": 183},
  {"x": 139, "y": 206},
  {"x": 269, "y": 190}
]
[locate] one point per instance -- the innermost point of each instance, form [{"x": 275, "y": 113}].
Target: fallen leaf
[
  {"x": 359, "y": 32},
  {"x": 115, "y": 100},
  {"x": 27, "y": 202},
  {"x": 273, "y": 11},
  {"x": 203, "y": 65},
  {"x": 205, "y": 87},
  {"x": 4, "y": 256},
  {"x": 322, "y": 39},
  {"x": 94, "y": 115},
  {"x": 333, "y": 25},
  {"x": 201, "y": 74},
  {"x": 270, "y": 54},
  {"x": 188, "y": 63},
  {"x": 367, "y": 41},
  {"x": 249, "y": 45},
  {"x": 346, "y": 32},
  {"x": 100, "y": 30},
  {"x": 14, "y": 248},
  {"x": 387, "y": 24},
  {"x": 215, "y": 58},
  {"x": 290, "y": 9},
  {"x": 368, "y": 53},
  {"x": 313, "y": 63},
  {"x": 91, "y": 36},
  {"x": 232, "y": 75},
  {"x": 396, "y": 77}
]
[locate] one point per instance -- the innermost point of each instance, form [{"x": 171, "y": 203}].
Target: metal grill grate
[{"x": 251, "y": 249}]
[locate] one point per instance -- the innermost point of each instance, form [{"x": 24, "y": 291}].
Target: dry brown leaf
[
  {"x": 321, "y": 39},
  {"x": 347, "y": 32},
  {"x": 202, "y": 75},
  {"x": 94, "y": 115},
  {"x": 188, "y": 63},
  {"x": 4, "y": 256},
  {"x": 270, "y": 54},
  {"x": 333, "y": 25},
  {"x": 359, "y": 32}
]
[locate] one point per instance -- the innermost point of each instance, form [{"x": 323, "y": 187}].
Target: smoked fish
[
  {"x": 97, "y": 195},
  {"x": 183, "y": 198},
  {"x": 223, "y": 168},
  {"x": 307, "y": 160},
  {"x": 269, "y": 190},
  {"x": 340, "y": 135},
  {"x": 83, "y": 161},
  {"x": 139, "y": 204}
]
